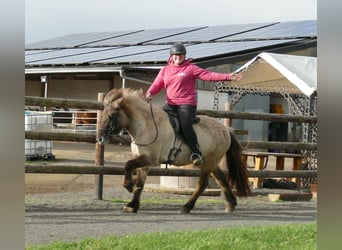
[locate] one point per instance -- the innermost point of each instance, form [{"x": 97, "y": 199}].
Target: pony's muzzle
[{"x": 101, "y": 140}]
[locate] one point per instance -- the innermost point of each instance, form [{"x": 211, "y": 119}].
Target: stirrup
[{"x": 196, "y": 159}]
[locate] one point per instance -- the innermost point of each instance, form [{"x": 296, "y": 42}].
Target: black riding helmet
[{"x": 177, "y": 49}]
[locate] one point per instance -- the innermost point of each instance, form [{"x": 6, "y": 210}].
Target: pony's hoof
[
  {"x": 184, "y": 210},
  {"x": 127, "y": 209},
  {"x": 129, "y": 187},
  {"x": 229, "y": 209}
]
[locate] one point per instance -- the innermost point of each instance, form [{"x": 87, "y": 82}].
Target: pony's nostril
[
  {"x": 100, "y": 140},
  {"x": 110, "y": 131}
]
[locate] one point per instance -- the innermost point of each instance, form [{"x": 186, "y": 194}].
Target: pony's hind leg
[
  {"x": 224, "y": 184},
  {"x": 201, "y": 186}
]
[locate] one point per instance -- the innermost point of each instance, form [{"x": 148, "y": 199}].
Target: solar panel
[
  {"x": 214, "y": 49},
  {"x": 195, "y": 51},
  {"x": 152, "y": 55},
  {"x": 57, "y": 55},
  {"x": 144, "y": 46},
  {"x": 143, "y": 36},
  {"x": 212, "y": 33},
  {"x": 75, "y": 40},
  {"x": 35, "y": 52},
  {"x": 80, "y": 56},
  {"x": 279, "y": 30}
]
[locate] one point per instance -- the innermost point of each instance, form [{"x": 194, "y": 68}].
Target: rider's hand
[
  {"x": 235, "y": 76},
  {"x": 148, "y": 97}
]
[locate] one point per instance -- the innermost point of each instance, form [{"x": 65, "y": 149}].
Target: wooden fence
[
  {"x": 117, "y": 169},
  {"x": 99, "y": 170}
]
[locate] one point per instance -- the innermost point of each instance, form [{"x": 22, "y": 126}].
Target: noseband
[{"x": 108, "y": 131}]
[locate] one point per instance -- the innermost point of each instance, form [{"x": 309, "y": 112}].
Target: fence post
[
  {"x": 228, "y": 123},
  {"x": 99, "y": 153},
  {"x": 228, "y": 107}
]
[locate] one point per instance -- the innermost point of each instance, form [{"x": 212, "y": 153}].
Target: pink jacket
[{"x": 179, "y": 82}]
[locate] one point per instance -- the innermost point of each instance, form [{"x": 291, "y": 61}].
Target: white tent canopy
[{"x": 279, "y": 73}]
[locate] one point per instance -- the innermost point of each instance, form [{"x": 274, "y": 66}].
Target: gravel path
[
  {"x": 75, "y": 216},
  {"x": 69, "y": 211}
]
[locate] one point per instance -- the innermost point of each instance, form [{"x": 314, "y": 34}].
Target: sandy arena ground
[{"x": 64, "y": 207}]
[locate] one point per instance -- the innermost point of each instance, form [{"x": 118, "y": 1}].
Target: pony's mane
[
  {"x": 133, "y": 95},
  {"x": 129, "y": 91}
]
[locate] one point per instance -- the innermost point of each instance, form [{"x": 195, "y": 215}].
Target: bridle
[{"x": 111, "y": 130}]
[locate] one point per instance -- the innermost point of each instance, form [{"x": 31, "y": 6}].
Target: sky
[{"x": 46, "y": 19}]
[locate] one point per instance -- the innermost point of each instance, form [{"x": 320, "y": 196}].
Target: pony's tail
[{"x": 237, "y": 169}]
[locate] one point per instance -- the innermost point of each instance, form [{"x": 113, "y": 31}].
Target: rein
[{"x": 155, "y": 126}]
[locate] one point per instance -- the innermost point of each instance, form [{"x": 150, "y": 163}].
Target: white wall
[
  {"x": 257, "y": 130},
  {"x": 206, "y": 99}
]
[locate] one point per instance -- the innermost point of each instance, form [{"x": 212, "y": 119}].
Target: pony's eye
[
  {"x": 109, "y": 106},
  {"x": 115, "y": 109}
]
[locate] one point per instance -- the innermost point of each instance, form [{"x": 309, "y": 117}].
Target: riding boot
[{"x": 196, "y": 159}]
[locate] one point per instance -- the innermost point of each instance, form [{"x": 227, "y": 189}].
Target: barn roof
[
  {"x": 270, "y": 72},
  {"x": 151, "y": 46}
]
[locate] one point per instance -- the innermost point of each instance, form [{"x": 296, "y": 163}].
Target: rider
[{"x": 179, "y": 80}]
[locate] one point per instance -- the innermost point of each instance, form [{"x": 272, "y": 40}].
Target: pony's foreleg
[
  {"x": 222, "y": 181},
  {"x": 200, "y": 187},
  {"x": 131, "y": 165},
  {"x": 134, "y": 204}
]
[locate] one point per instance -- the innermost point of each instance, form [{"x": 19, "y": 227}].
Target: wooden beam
[
  {"x": 258, "y": 116},
  {"x": 118, "y": 169},
  {"x": 64, "y": 103},
  {"x": 73, "y": 137},
  {"x": 115, "y": 139},
  {"x": 279, "y": 145},
  {"x": 84, "y": 104}
]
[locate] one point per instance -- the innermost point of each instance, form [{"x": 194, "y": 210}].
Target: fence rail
[
  {"x": 63, "y": 103},
  {"x": 73, "y": 137},
  {"x": 83, "y": 104},
  {"x": 118, "y": 169},
  {"x": 258, "y": 116},
  {"x": 91, "y": 138}
]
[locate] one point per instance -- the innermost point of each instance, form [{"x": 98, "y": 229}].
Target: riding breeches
[{"x": 187, "y": 115}]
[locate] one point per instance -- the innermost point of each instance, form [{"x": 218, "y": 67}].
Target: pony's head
[
  {"x": 114, "y": 118},
  {"x": 110, "y": 120}
]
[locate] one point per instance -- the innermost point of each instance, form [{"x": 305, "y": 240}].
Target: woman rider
[{"x": 178, "y": 79}]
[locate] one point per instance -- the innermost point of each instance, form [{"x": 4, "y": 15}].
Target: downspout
[
  {"x": 44, "y": 80},
  {"x": 123, "y": 82},
  {"x": 124, "y": 77}
]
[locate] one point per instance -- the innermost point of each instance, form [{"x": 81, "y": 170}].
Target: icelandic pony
[
  {"x": 85, "y": 117},
  {"x": 152, "y": 138}
]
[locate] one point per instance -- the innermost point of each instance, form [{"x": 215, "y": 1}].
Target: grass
[{"x": 292, "y": 236}]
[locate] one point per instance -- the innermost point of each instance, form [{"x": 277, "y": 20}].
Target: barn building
[{"x": 78, "y": 66}]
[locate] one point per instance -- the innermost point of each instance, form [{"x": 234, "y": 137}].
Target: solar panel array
[{"x": 152, "y": 46}]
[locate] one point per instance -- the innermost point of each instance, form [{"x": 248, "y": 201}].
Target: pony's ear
[
  {"x": 141, "y": 94},
  {"x": 118, "y": 102}
]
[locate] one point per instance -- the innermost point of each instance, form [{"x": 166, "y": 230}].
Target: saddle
[{"x": 174, "y": 121}]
